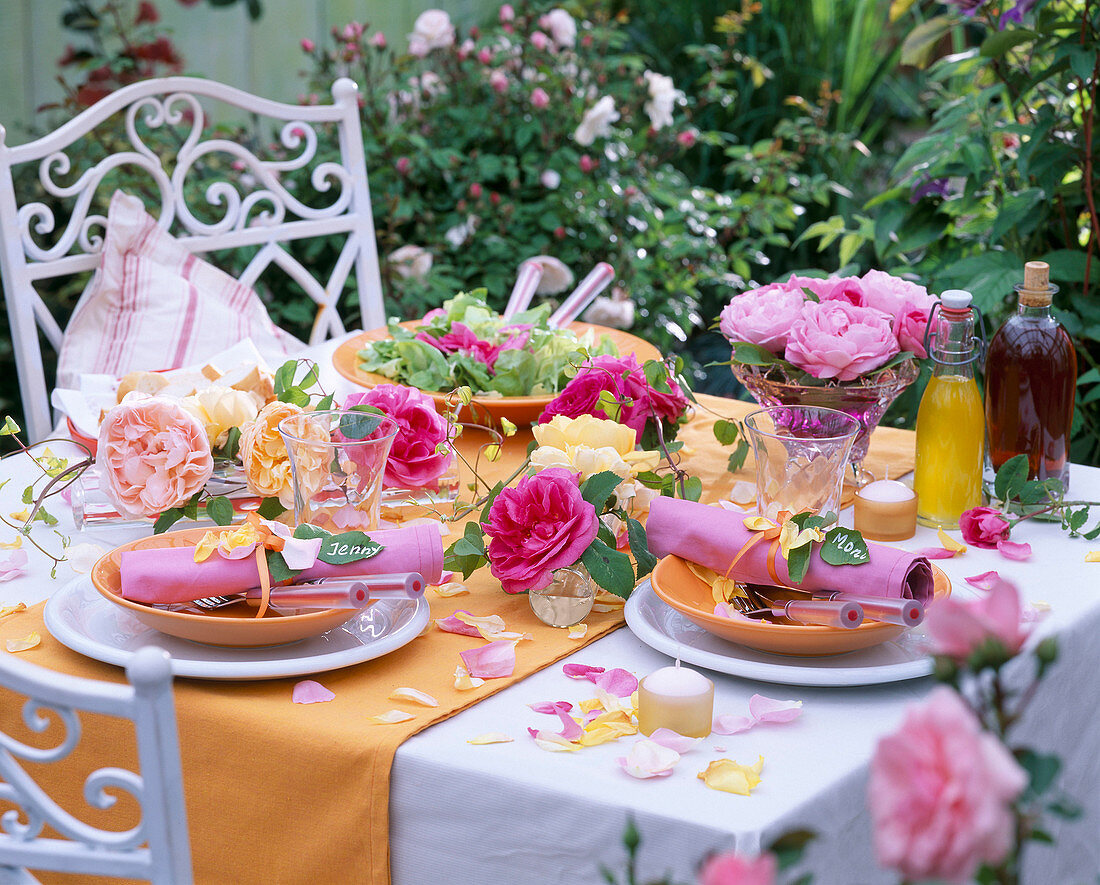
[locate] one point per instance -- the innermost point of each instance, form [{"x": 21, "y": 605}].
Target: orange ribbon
[{"x": 769, "y": 531}]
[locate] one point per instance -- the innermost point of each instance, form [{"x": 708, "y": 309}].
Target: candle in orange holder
[
  {"x": 886, "y": 510},
  {"x": 676, "y": 698}
]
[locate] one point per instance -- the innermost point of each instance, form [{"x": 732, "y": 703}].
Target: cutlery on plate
[
  {"x": 904, "y": 612},
  {"x": 592, "y": 285},
  {"x": 818, "y": 612},
  {"x": 527, "y": 281},
  {"x": 358, "y": 592}
]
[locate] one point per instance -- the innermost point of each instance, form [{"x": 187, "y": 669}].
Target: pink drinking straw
[
  {"x": 356, "y": 592},
  {"x": 527, "y": 281},
  {"x": 592, "y": 285}
]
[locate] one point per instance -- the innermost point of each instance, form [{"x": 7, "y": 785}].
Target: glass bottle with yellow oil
[{"x": 951, "y": 418}]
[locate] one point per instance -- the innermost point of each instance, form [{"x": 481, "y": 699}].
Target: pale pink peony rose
[
  {"x": 539, "y": 40},
  {"x": 835, "y": 339},
  {"x": 984, "y": 527},
  {"x": 431, "y": 30},
  {"x": 151, "y": 455},
  {"x": 413, "y": 461},
  {"x": 737, "y": 869},
  {"x": 539, "y": 525},
  {"x": 847, "y": 289},
  {"x": 539, "y": 99},
  {"x": 956, "y": 628},
  {"x": 763, "y": 316},
  {"x": 507, "y": 13},
  {"x": 561, "y": 26},
  {"x": 907, "y": 304},
  {"x": 498, "y": 80},
  {"x": 941, "y": 791}
]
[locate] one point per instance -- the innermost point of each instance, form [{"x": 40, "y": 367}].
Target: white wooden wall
[{"x": 220, "y": 43}]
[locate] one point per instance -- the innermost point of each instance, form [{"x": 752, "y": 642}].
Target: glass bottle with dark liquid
[{"x": 1030, "y": 377}]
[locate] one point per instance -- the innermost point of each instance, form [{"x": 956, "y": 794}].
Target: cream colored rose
[
  {"x": 584, "y": 430},
  {"x": 663, "y": 96},
  {"x": 431, "y": 30},
  {"x": 596, "y": 122},
  {"x": 562, "y": 27},
  {"x": 266, "y": 460},
  {"x": 219, "y": 409},
  {"x": 411, "y": 261}
]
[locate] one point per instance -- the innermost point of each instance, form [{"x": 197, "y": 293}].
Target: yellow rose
[
  {"x": 265, "y": 458},
  {"x": 562, "y": 432},
  {"x": 219, "y": 409}
]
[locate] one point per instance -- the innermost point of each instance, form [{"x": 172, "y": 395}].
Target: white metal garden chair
[
  {"x": 157, "y": 849},
  {"x": 250, "y": 205}
]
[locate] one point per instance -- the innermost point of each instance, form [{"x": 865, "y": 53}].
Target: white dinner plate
[
  {"x": 661, "y": 627},
  {"x": 81, "y": 619}
]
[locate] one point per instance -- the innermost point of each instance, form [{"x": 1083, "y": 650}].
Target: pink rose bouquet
[
  {"x": 415, "y": 459},
  {"x": 941, "y": 793},
  {"x": 640, "y": 403},
  {"x": 152, "y": 455},
  {"x": 541, "y": 524}
]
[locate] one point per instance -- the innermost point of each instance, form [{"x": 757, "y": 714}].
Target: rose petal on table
[
  {"x": 491, "y": 661},
  {"x": 950, "y": 543},
  {"x": 612, "y": 703},
  {"x": 14, "y": 544},
  {"x": 648, "y": 759},
  {"x": 464, "y": 681},
  {"x": 579, "y": 671},
  {"x": 619, "y": 682},
  {"x": 724, "y": 610},
  {"x": 452, "y": 624},
  {"x": 727, "y": 724},
  {"x": 570, "y": 728},
  {"x": 935, "y": 553},
  {"x": 1092, "y": 556},
  {"x": 984, "y": 581},
  {"x": 451, "y": 588},
  {"x": 31, "y": 640},
  {"x": 743, "y": 493},
  {"x": 666, "y": 737},
  {"x": 413, "y": 696},
  {"x": 13, "y": 565},
  {"x": 732, "y": 777},
  {"x": 81, "y": 557},
  {"x": 491, "y": 737},
  {"x": 603, "y": 733},
  {"x": 607, "y": 602},
  {"x": 309, "y": 692},
  {"x": 1013, "y": 550},
  {"x": 578, "y": 631},
  {"x": 390, "y": 717},
  {"x": 6, "y": 610},
  {"x": 765, "y": 709},
  {"x": 551, "y": 742}
]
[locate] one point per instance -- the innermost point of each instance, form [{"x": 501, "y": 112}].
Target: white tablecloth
[{"x": 512, "y": 812}]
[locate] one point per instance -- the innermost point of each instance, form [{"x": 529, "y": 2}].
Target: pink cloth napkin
[
  {"x": 712, "y": 536},
  {"x": 170, "y": 574}
]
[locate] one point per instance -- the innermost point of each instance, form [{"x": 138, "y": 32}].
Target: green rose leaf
[
  {"x": 270, "y": 508},
  {"x": 639, "y": 546},
  {"x": 220, "y": 510},
  {"x": 798, "y": 562},
  {"x": 343, "y": 548},
  {"x": 1011, "y": 478},
  {"x": 598, "y": 488},
  {"x": 737, "y": 459},
  {"x": 361, "y": 424},
  {"x": 726, "y": 432},
  {"x": 693, "y": 488},
  {"x": 844, "y": 547},
  {"x": 167, "y": 519},
  {"x": 277, "y": 567},
  {"x": 609, "y": 568}
]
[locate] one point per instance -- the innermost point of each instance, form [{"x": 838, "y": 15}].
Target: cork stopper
[{"x": 1036, "y": 290}]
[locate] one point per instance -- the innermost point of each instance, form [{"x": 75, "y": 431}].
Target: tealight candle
[
  {"x": 886, "y": 510},
  {"x": 676, "y": 698}
]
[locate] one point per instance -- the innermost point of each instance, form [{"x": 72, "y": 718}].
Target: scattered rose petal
[
  {"x": 464, "y": 681},
  {"x": 309, "y": 692},
  {"x": 766, "y": 709},
  {"x": 984, "y": 581},
  {"x": 413, "y": 696},
  {"x": 935, "y": 553},
  {"x": 1092, "y": 556},
  {"x": 602, "y": 731},
  {"x": 451, "y": 624},
  {"x": 723, "y": 610},
  {"x": 451, "y": 588},
  {"x": 31, "y": 640},
  {"x": 6, "y": 610},
  {"x": 14, "y": 544},
  {"x": 1034, "y": 612},
  {"x": 743, "y": 493},
  {"x": 490, "y": 737},
  {"x": 579, "y": 671},
  {"x": 666, "y": 737},
  {"x": 614, "y": 703},
  {"x": 618, "y": 682},
  {"x": 551, "y": 707},
  {"x": 1014, "y": 550},
  {"x": 390, "y": 717},
  {"x": 446, "y": 577},
  {"x": 81, "y": 557},
  {"x": 553, "y": 743},
  {"x": 570, "y": 728},
  {"x": 732, "y": 777},
  {"x": 491, "y": 661},
  {"x": 950, "y": 543},
  {"x": 726, "y": 724},
  {"x": 648, "y": 759},
  {"x": 13, "y": 565},
  {"x": 488, "y": 626},
  {"x": 578, "y": 631}
]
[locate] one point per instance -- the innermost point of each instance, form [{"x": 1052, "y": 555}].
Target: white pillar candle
[
  {"x": 886, "y": 510},
  {"x": 678, "y": 699},
  {"x": 889, "y": 490}
]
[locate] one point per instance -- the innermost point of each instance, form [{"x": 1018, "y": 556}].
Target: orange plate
[
  {"x": 520, "y": 410},
  {"x": 234, "y": 625},
  {"x": 678, "y": 586}
]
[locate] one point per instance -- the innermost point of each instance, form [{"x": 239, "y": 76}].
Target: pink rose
[
  {"x": 587, "y": 164},
  {"x": 152, "y": 454},
  {"x": 835, "y": 339},
  {"x": 984, "y": 527},
  {"x": 687, "y": 138},
  {"x": 403, "y": 165},
  {"x": 736, "y": 869},
  {"x": 763, "y": 316},
  {"x": 507, "y": 13},
  {"x": 539, "y": 525},
  {"x": 539, "y": 99},
  {"x": 378, "y": 40},
  {"x": 539, "y": 40},
  {"x": 498, "y": 80},
  {"x": 413, "y": 461},
  {"x": 941, "y": 792},
  {"x": 308, "y": 45},
  {"x": 462, "y": 339},
  {"x": 956, "y": 628},
  {"x": 846, "y": 289},
  {"x": 907, "y": 304}
]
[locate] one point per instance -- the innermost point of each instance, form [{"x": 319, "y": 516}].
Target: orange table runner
[{"x": 287, "y": 793}]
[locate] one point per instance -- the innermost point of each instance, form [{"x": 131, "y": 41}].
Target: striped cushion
[{"x": 154, "y": 305}]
